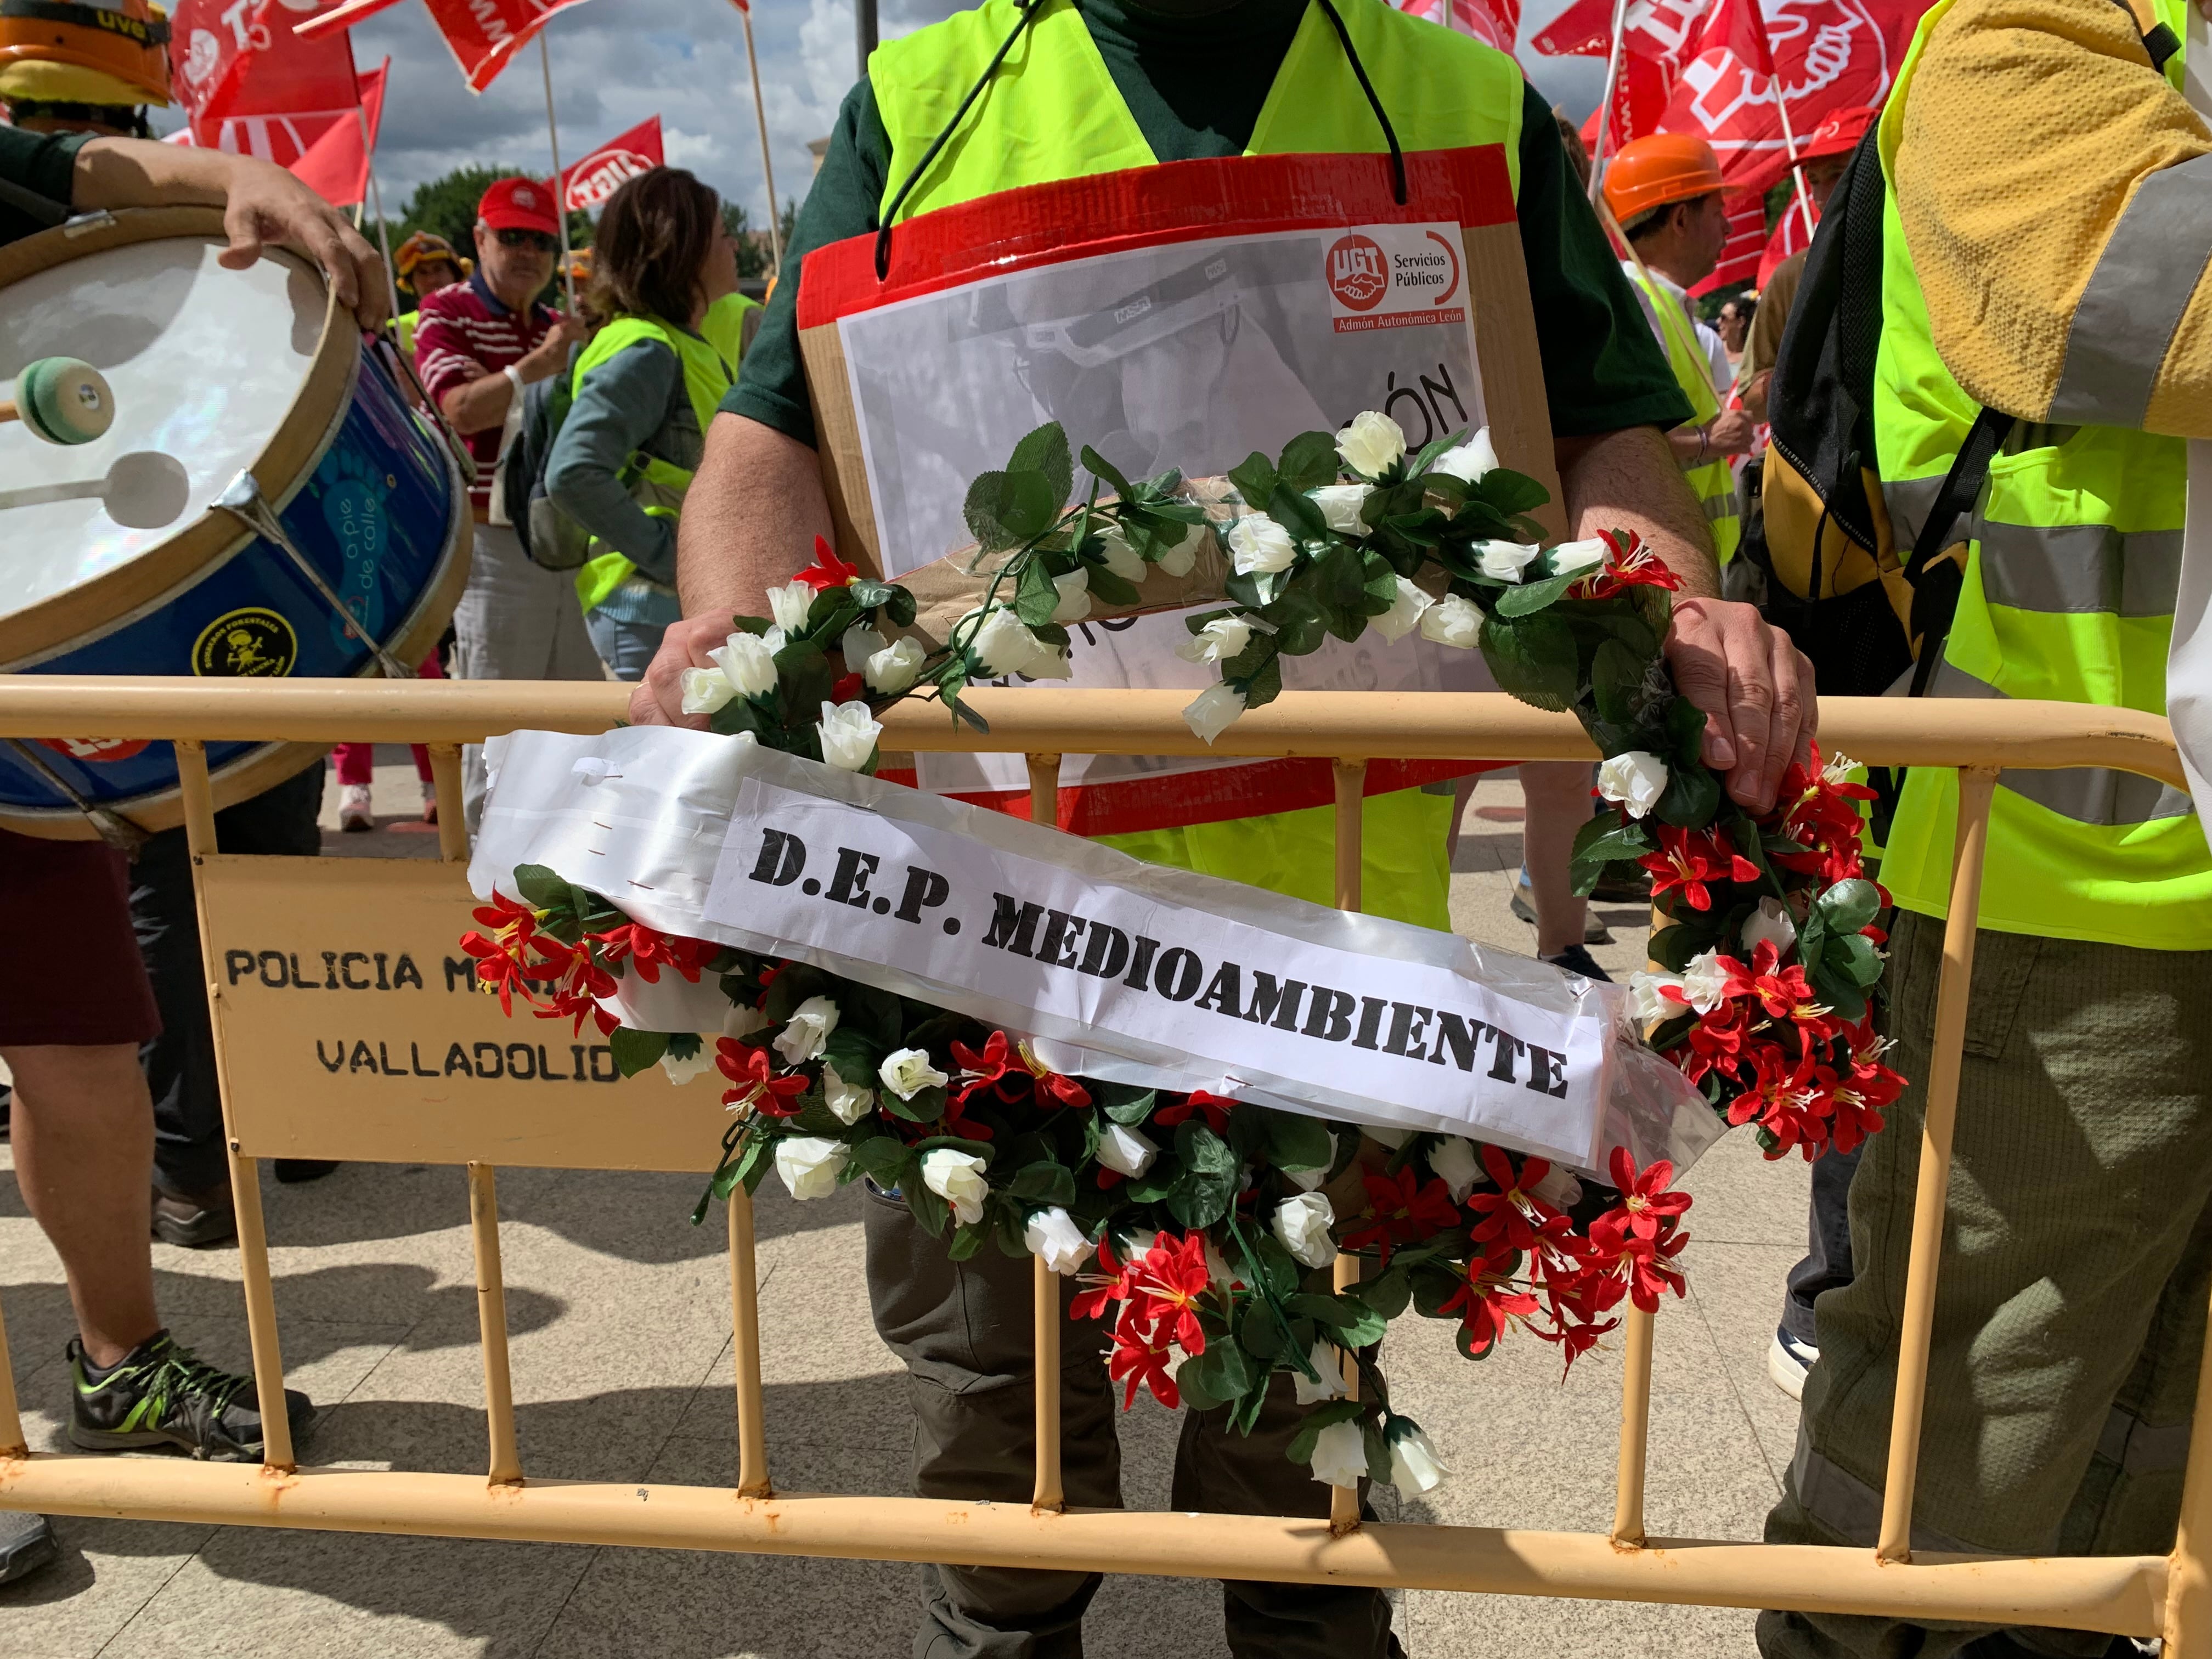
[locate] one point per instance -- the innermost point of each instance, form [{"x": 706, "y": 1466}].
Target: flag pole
[
  {"x": 376, "y": 196},
  {"x": 1612, "y": 68},
  {"x": 1782, "y": 109},
  {"x": 560, "y": 189},
  {"x": 768, "y": 166}
]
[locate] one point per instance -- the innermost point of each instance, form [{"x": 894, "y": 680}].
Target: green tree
[{"x": 755, "y": 254}]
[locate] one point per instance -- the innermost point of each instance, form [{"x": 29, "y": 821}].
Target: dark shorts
[{"x": 72, "y": 974}]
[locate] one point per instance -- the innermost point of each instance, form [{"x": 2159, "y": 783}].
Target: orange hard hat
[{"x": 1650, "y": 172}]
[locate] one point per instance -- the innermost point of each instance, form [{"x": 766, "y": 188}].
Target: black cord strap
[
  {"x": 1389, "y": 133},
  {"x": 1031, "y": 9}
]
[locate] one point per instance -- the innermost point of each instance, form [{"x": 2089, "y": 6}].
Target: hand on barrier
[{"x": 1755, "y": 688}]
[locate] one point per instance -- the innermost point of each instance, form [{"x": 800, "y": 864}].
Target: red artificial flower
[
  {"x": 845, "y": 688},
  {"x": 1629, "y": 563},
  {"x": 1112, "y": 1286},
  {"x": 1163, "y": 1286},
  {"x": 1400, "y": 1209},
  {"x": 1140, "y": 1359},
  {"x": 1688, "y": 860},
  {"x": 1648, "y": 1207},
  {"x": 828, "y": 570},
  {"x": 1508, "y": 1212},
  {"x": 497, "y": 970},
  {"x": 1215, "y": 1108},
  {"x": 1784, "y": 1098},
  {"x": 1009, "y": 1070},
  {"x": 650, "y": 951},
  {"x": 1487, "y": 1302},
  {"x": 758, "y": 1085},
  {"x": 1783, "y": 993},
  {"x": 1715, "y": 1042}
]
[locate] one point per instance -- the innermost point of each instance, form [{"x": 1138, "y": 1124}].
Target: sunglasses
[{"x": 537, "y": 239}]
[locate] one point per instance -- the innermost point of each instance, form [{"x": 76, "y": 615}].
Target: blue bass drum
[{"x": 266, "y": 502}]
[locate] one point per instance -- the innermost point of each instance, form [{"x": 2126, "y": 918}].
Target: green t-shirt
[
  {"x": 40, "y": 162},
  {"x": 1195, "y": 86}
]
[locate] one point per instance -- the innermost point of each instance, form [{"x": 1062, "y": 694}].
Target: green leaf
[
  {"x": 882, "y": 1159},
  {"x": 1692, "y": 795},
  {"x": 966, "y": 1240},
  {"x": 1299, "y": 625},
  {"x": 541, "y": 887},
  {"x": 1509, "y": 493},
  {"x": 804, "y": 684},
  {"x": 1604, "y": 839},
  {"x": 1035, "y": 597},
  {"x": 855, "y": 1053},
  {"x": 1255, "y": 479},
  {"x": 1527, "y": 597},
  {"x": 635, "y": 1050},
  {"x": 1316, "y": 1419},
  {"x": 1388, "y": 1294},
  {"x": 1849, "y": 905},
  {"x": 1125, "y": 1104},
  {"x": 931, "y": 1211},
  {"x": 1259, "y": 1331},
  {"x": 1378, "y": 1453},
  {"x": 1202, "y": 1193},
  {"x": 1309, "y": 461},
  {"x": 1265, "y": 686},
  {"x": 1532, "y": 657},
  {"x": 1045, "y": 451},
  {"x": 1108, "y": 588},
  {"x": 1106, "y": 473},
  {"x": 1008, "y": 509},
  {"x": 1295, "y": 1142},
  {"x": 1045, "y": 1182}
]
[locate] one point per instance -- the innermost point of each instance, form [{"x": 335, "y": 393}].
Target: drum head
[{"x": 205, "y": 363}]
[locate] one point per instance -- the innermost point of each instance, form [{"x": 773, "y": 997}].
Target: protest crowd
[{"x": 1891, "y": 380}]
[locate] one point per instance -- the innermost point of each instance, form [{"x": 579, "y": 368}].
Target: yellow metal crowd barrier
[{"x": 2168, "y": 1597}]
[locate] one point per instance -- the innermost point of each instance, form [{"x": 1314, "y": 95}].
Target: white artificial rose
[
  {"x": 706, "y": 689},
  {"x": 743, "y": 1020},
  {"x": 1340, "y": 505},
  {"x": 908, "y": 1072},
  {"x": 1635, "y": 778},
  {"x": 848, "y": 1102},
  {"x": 1558, "y": 1189},
  {"x": 1301, "y": 1223},
  {"x": 1074, "y": 596},
  {"x": 1214, "y": 711},
  {"x": 1470, "y": 460},
  {"x": 1705, "y": 981},
  {"x": 1003, "y": 644},
  {"x": 1340, "y": 1456},
  {"x": 1452, "y": 621},
  {"x": 806, "y": 1032},
  {"x": 1770, "y": 924},
  {"x": 1054, "y": 1234},
  {"x": 892, "y": 669},
  {"x": 1123, "y": 559},
  {"x": 957, "y": 1178},
  {"x": 1453, "y": 1161},
  {"x": 1259, "y": 546},
  {"x": 1371, "y": 444},
  {"x": 1224, "y": 636},
  {"x": 747, "y": 662},
  {"x": 1178, "y": 560},
  {"x": 1646, "y": 1003},
  {"x": 1506, "y": 560},
  {"x": 788, "y": 605},
  {"x": 1050, "y": 662},
  {"x": 1325, "y": 1358},
  {"x": 848, "y": 733},
  {"x": 810, "y": 1165},
  {"x": 1574, "y": 558},
  {"x": 681, "y": 1071},
  {"x": 1404, "y": 615},
  {"x": 860, "y": 642},
  {"x": 1125, "y": 1151},
  {"x": 1414, "y": 1466}
]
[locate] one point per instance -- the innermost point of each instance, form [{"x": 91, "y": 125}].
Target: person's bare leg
[
  {"x": 1556, "y": 794},
  {"x": 83, "y": 1136}
]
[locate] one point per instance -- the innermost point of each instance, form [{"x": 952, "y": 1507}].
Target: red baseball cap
[
  {"x": 1839, "y": 133},
  {"x": 519, "y": 204}
]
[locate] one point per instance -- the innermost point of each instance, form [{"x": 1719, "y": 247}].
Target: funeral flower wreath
[{"x": 1199, "y": 1228}]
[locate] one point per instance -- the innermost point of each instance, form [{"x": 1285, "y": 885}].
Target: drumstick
[{"x": 62, "y": 400}]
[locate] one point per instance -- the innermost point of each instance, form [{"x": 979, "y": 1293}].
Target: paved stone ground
[{"x": 619, "y": 1314}]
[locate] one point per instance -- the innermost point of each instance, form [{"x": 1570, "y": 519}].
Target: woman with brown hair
[{"x": 645, "y": 390}]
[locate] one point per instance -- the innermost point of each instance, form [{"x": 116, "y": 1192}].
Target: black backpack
[
  {"x": 550, "y": 538},
  {"x": 1863, "y": 610}
]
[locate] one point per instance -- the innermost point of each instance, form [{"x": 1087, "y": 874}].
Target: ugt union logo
[{"x": 1358, "y": 275}]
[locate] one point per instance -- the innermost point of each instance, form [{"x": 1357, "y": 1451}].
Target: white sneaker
[
  {"x": 1788, "y": 1360},
  {"x": 354, "y": 813}
]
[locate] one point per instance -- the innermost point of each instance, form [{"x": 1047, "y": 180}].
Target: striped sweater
[{"x": 462, "y": 334}]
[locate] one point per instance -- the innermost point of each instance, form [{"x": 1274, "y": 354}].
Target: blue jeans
[{"x": 625, "y": 647}]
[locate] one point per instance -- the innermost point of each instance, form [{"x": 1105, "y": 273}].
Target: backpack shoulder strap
[{"x": 1936, "y": 585}]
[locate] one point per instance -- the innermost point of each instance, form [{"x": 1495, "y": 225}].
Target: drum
[{"x": 266, "y": 503}]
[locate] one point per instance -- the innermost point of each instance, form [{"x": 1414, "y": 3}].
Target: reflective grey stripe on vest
[
  {"x": 1852, "y": 1510},
  {"x": 2125, "y": 321},
  {"x": 2140, "y": 1447},
  {"x": 2087, "y": 794},
  {"x": 1909, "y": 501},
  {"x": 1723, "y": 505},
  {"x": 2080, "y": 568}
]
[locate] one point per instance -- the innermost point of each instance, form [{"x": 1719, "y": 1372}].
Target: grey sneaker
[{"x": 161, "y": 1394}]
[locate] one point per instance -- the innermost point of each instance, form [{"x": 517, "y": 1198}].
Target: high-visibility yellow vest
[
  {"x": 404, "y": 326},
  {"x": 724, "y": 326},
  {"x": 1714, "y": 482},
  {"x": 2073, "y": 558},
  {"x": 1053, "y": 112},
  {"x": 658, "y": 486}
]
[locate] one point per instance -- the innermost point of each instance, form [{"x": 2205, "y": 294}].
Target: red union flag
[
  {"x": 240, "y": 58},
  {"x": 485, "y": 34},
  {"x": 613, "y": 164},
  {"x": 1494, "y": 22},
  {"x": 1662, "y": 30},
  {"x": 1826, "y": 55}
]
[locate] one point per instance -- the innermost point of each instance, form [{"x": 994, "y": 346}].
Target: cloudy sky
[{"x": 616, "y": 62}]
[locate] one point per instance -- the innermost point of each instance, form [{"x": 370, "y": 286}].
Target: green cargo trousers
[
  {"x": 2070, "y": 1307},
  {"x": 963, "y": 1330}
]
